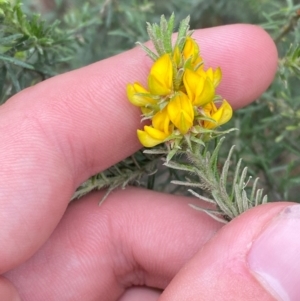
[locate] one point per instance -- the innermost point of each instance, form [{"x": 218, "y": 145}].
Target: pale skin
[{"x": 60, "y": 132}]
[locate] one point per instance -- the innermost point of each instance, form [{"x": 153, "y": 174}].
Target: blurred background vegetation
[{"x": 39, "y": 39}]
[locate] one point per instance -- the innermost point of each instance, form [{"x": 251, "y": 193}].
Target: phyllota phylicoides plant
[
  {"x": 183, "y": 114},
  {"x": 181, "y": 100}
]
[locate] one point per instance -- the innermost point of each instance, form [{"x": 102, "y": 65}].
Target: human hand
[{"x": 60, "y": 132}]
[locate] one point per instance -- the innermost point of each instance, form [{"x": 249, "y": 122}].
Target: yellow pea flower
[
  {"x": 150, "y": 136},
  {"x": 160, "y": 79},
  {"x": 181, "y": 112},
  {"x": 214, "y": 75},
  {"x": 197, "y": 62},
  {"x": 133, "y": 91},
  {"x": 200, "y": 88},
  {"x": 220, "y": 115},
  {"x": 190, "y": 49},
  {"x": 217, "y": 76},
  {"x": 161, "y": 121},
  {"x": 158, "y": 132}
]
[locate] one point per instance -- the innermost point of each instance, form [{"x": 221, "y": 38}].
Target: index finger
[{"x": 58, "y": 133}]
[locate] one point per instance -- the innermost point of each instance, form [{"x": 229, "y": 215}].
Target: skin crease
[{"x": 60, "y": 132}]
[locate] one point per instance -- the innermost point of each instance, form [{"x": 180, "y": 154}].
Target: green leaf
[
  {"x": 214, "y": 156},
  {"x": 3, "y": 72},
  {"x": 179, "y": 166},
  {"x": 166, "y": 36},
  {"x": 182, "y": 32},
  {"x": 9, "y": 39},
  {"x": 13, "y": 77},
  {"x": 224, "y": 174},
  {"x": 155, "y": 151},
  {"x": 15, "y": 61},
  {"x": 149, "y": 52}
]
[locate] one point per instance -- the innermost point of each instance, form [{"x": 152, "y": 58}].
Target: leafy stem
[
  {"x": 126, "y": 172},
  {"x": 230, "y": 199},
  {"x": 290, "y": 25}
]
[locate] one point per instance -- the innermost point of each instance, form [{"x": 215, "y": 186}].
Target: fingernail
[{"x": 274, "y": 257}]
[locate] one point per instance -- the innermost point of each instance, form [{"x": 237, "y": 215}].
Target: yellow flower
[
  {"x": 160, "y": 79},
  {"x": 181, "y": 112},
  {"x": 214, "y": 75},
  {"x": 200, "y": 88},
  {"x": 133, "y": 94},
  {"x": 220, "y": 115},
  {"x": 158, "y": 132},
  {"x": 190, "y": 50},
  {"x": 150, "y": 136},
  {"x": 161, "y": 121}
]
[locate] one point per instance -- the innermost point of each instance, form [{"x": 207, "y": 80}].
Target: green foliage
[
  {"x": 129, "y": 171},
  {"x": 231, "y": 198},
  {"x": 269, "y": 145},
  {"x": 33, "y": 48}
]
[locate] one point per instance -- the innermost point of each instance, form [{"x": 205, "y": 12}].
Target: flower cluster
[{"x": 181, "y": 99}]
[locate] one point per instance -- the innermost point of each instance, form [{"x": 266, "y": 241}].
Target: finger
[
  {"x": 254, "y": 257},
  {"x": 244, "y": 77},
  {"x": 8, "y": 291},
  {"x": 140, "y": 293},
  {"x": 138, "y": 237},
  {"x": 90, "y": 103},
  {"x": 59, "y": 132}
]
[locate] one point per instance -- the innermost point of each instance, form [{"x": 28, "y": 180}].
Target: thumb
[{"x": 254, "y": 257}]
